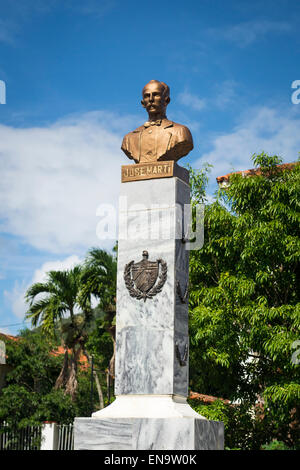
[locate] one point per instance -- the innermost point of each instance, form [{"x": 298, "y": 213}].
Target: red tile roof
[
  {"x": 4, "y": 336},
  {"x": 253, "y": 171},
  {"x": 60, "y": 351},
  {"x": 205, "y": 398}
]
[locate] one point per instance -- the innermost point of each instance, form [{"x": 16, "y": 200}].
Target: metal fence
[
  {"x": 27, "y": 438},
  {"x": 65, "y": 437},
  {"x": 30, "y": 437}
]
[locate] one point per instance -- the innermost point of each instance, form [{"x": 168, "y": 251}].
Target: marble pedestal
[
  {"x": 151, "y": 371},
  {"x": 145, "y": 422}
]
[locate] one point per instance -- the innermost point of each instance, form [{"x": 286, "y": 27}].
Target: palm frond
[{"x": 36, "y": 289}]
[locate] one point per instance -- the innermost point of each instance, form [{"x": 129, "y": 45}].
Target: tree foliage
[
  {"x": 63, "y": 304},
  {"x": 46, "y": 386},
  {"x": 244, "y": 297},
  {"x": 29, "y": 396}
]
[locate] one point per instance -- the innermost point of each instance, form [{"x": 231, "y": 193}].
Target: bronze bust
[{"x": 158, "y": 139}]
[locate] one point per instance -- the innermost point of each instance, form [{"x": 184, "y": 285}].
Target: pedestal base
[{"x": 148, "y": 423}]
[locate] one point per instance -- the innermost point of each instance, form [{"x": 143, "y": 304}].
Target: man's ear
[
  {"x": 167, "y": 100},
  {"x": 143, "y": 104}
]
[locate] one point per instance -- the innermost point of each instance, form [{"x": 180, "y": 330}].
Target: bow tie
[{"x": 152, "y": 123}]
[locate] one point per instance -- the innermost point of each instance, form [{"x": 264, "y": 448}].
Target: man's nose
[{"x": 150, "y": 97}]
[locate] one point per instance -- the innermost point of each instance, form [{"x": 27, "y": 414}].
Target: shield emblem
[
  {"x": 140, "y": 278},
  {"x": 144, "y": 274}
]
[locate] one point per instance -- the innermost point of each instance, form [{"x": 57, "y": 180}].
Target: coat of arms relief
[{"x": 146, "y": 278}]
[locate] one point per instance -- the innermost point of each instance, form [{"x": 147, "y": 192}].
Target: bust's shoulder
[
  {"x": 179, "y": 126},
  {"x": 130, "y": 142},
  {"x": 182, "y": 131},
  {"x": 135, "y": 131},
  {"x": 131, "y": 137}
]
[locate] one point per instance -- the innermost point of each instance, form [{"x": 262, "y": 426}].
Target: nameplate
[{"x": 147, "y": 171}]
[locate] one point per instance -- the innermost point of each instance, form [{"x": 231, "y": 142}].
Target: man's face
[{"x": 153, "y": 98}]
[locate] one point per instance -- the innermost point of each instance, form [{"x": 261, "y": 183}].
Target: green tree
[
  {"x": 32, "y": 376},
  {"x": 53, "y": 304},
  {"x": 244, "y": 298},
  {"x": 29, "y": 396},
  {"x": 99, "y": 280},
  {"x": 63, "y": 305}
]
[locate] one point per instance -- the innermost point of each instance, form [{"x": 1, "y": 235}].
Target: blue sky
[{"x": 74, "y": 71}]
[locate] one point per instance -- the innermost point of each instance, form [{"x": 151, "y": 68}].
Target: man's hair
[{"x": 166, "y": 89}]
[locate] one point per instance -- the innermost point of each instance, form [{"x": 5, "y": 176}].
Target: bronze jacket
[{"x": 172, "y": 142}]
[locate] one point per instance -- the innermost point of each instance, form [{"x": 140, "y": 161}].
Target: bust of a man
[{"x": 158, "y": 139}]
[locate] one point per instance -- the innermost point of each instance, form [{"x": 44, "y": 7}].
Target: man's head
[{"x": 156, "y": 97}]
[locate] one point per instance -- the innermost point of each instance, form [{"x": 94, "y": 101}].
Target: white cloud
[
  {"x": 225, "y": 94},
  {"x": 16, "y": 297},
  {"x": 248, "y": 32},
  {"x": 54, "y": 178},
  {"x": 192, "y": 101},
  {"x": 91, "y": 7},
  {"x": 275, "y": 131},
  {"x": 7, "y": 31},
  {"x": 15, "y": 19},
  {"x": 5, "y": 331},
  {"x": 40, "y": 274}
]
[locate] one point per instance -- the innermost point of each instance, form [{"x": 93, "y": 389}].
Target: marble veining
[
  {"x": 145, "y": 331},
  {"x": 148, "y": 434},
  {"x": 209, "y": 435},
  {"x": 145, "y": 361},
  {"x": 103, "y": 434},
  {"x": 163, "y": 434}
]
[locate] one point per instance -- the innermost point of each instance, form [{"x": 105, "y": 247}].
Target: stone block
[
  {"x": 148, "y": 434},
  {"x": 145, "y": 422}
]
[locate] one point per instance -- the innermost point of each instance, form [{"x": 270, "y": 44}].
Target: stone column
[
  {"x": 152, "y": 334},
  {"x": 151, "y": 383}
]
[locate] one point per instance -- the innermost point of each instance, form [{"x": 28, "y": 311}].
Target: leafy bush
[{"x": 245, "y": 305}]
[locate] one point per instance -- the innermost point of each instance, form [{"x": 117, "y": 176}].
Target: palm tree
[
  {"x": 54, "y": 303},
  {"x": 49, "y": 303},
  {"x": 99, "y": 279}
]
